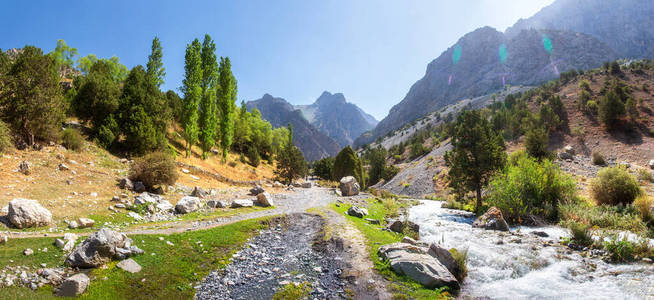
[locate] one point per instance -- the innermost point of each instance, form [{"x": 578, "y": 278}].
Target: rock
[
  {"x": 445, "y": 258},
  {"x": 349, "y": 186},
  {"x": 126, "y": 183},
  {"x": 188, "y": 204},
  {"x": 185, "y": 171},
  {"x": 408, "y": 240},
  {"x": 3, "y": 239},
  {"x": 24, "y": 167},
  {"x": 306, "y": 185},
  {"x": 74, "y": 285},
  {"x": 216, "y": 204},
  {"x": 63, "y": 167},
  {"x": 199, "y": 192},
  {"x": 135, "y": 216},
  {"x": 4, "y": 210},
  {"x": 159, "y": 190},
  {"x": 568, "y": 149},
  {"x": 415, "y": 263},
  {"x": 73, "y": 225},
  {"x": 356, "y": 211},
  {"x": 277, "y": 184},
  {"x": 373, "y": 221},
  {"x": 265, "y": 199},
  {"x": 565, "y": 155},
  {"x": 129, "y": 265},
  {"x": 138, "y": 187},
  {"x": 101, "y": 247},
  {"x": 115, "y": 199},
  {"x": 163, "y": 205},
  {"x": 24, "y": 213},
  {"x": 540, "y": 233},
  {"x": 399, "y": 226},
  {"x": 242, "y": 203},
  {"x": 146, "y": 198},
  {"x": 59, "y": 243},
  {"x": 491, "y": 220},
  {"x": 28, "y": 252},
  {"x": 85, "y": 222},
  {"x": 651, "y": 164},
  {"x": 255, "y": 191}
]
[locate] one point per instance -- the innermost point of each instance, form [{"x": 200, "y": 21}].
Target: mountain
[
  {"x": 483, "y": 61},
  {"x": 312, "y": 142},
  {"x": 337, "y": 118},
  {"x": 624, "y": 25}
]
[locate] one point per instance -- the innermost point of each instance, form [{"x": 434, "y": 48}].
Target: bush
[
  {"x": 620, "y": 250},
  {"x": 154, "y": 169},
  {"x": 461, "y": 258},
  {"x": 598, "y": 159},
  {"x": 644, "y": 204},
  {"x": 323, "y": 168},
  {"x": 581, "y": 234},
  {"x": 645, "y": 175},
  {"x": 614, "y": 186},
  {"x": 253, "y": 157},
  {"x": 5, "y": 137},
  {"x": 536, "y": 141},
  {"x": 72, "y": 139},
  {"x": 606, "y": 217},
  {"x": 592, "y": 107},
  {"x": 530, "y": 187}
]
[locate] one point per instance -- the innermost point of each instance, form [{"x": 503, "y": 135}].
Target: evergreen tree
[
  {"x": 226, "y": 104},
  {"x": 536, "y": 141},
  {"x": 192, "y": 90},
  {"x": 478, "y": 153},
  {"x": 156, "y": 71},
  {"x": 611, "y": 108},
  {"x": 290, "y": 164},
  {"x": 208, "y": 109},
  {"x": 324, "y": 168},
  {"x": 347, "y": 163},
  {"x": 32, "y": 101},
  {"x": 63, "y": 55},
  {"x": 242, "y": 130}
]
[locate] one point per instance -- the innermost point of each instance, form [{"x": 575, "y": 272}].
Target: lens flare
[
  {"x": 456, "y": 55},
  {"x": 547, "y": 43},
  {"x": 503, "y": 54}
]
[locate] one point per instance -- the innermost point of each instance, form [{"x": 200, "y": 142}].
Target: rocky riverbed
[{"x": 291, "y": 251}]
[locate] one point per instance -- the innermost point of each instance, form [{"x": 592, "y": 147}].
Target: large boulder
[
  {"x": 24, "y": 213},
  {"x": 126, "y": 183},
  {"x": 85, "y": 222},
  {"x": 265, "y": 199},
  {"x": 445, "y": 258},
  {"x": 255, "y": 191},
  {"x": 188, "y": 204},
  {"x": 101, "y": 247},
  {"x": 139, "y": 187},
  {"x": 415, "y": 263},
  {"x": 356, "y": 211},
  {"x": 349, "y": 186},
  {"x": 74, "y": 285},
  {"x": 399, "y": 226},
  {"x": 242, "y": 203},
  {"x": 216, "y": 204},
  {"x": 491, "y": 220}
]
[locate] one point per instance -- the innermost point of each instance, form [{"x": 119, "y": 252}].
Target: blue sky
[{"x": 372, "y": 51}]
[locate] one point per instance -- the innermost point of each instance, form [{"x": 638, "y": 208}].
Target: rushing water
[{"x": 520, "y": 265}]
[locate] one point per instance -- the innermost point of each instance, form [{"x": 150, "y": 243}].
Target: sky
[{"x": 372, "y": 51}]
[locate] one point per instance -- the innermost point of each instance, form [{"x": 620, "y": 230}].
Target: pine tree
[
  {"x": 192, "y": 90},
  {"x": 290, "y": 164},
  {"x": 226, "y": 104},
  {"x": 208, "y": 109},
  {"x": 347, "y": 163},
  {"x": 156, "y": 71}
]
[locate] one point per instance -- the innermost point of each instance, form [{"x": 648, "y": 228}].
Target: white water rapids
[{"x": 522, "y": 267}]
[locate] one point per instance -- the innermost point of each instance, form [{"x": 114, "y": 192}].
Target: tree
[
  {"x": 279, "y": 139},
  {"x": 347, "y": 163},
  {"x": 192, "y": 90},
  {"x": 536, "y": 141},
  {"x": 32, "y": 100},
  {"x": 242, "y": 130},
  {"x": 610, "y": 109},
  {"x": 226, "y": 104},
  {"x": 290, "y": 163},
  {"x": 156, "y": 71},
  {"x": 174, "y": 104},
  {"x": 323, "y": 168},
  {"x": 143, "y": 118},
  {"x": 118, "y": 71},
  {"x": 63, "y": 55},
  {"x": 378, "y": 168},
  {"x": 208, "y": 109},
  {"x": 478, "y": 153}
]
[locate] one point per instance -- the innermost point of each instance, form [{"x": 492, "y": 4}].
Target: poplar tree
[
  {"x": 192, "y": 89},
  {"x": 156, "y": 71},
  {"x": 208, "y": 103},
  {"x": 226, "y": 104}
]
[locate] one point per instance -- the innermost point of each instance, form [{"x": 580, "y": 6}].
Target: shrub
[
  {"x": 5, "y": 137},
  {"x": 620, "y": 250},
  {"x": 530, "y": 187},
  {"x": 154, "y": 169},
  {"x": 598, "y": 159},
  {"x": 72, "y": 139},
  {"x": 606, "y": 217},
  {"x": 591, "y": 107},
  {"x": 323, "y": 168},
  {"x": 644, "y": 204},
  {"x": 614, "y": 186},
  {"x": 581, "y": 233},
  {"x": 536, "y": 141},
  {"x": 645, "y": 175},
  {"x": 253, "y": 157},
  {"x": 461, "y": 258}
]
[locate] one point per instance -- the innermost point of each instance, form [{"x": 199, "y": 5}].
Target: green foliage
[
  {"x": 174, "y": 104},
  {"x": 581, "y": 233},
  {"x": 5, "y": 137},
  {"x": 63, "y": 54},
  {"x": 536, "y": 141},
  {"x": 118, "y": 71},
  {"x": 478, "y": 153},
  {"x": 31, "y": 99},
  {"x": 323, "y": 168},
  {"x": 610, "y": 109},
  {"x": 620, "y": 250},
  {"x": 378, "y": 168},
  {"x": 144, "y": 116},
  {"x": 644, "y": 204},
  {"x": 614, "y": 68},
  {"x": 254, "y": 158},
  {"x": 461, "y": 259},
  {"x": 645, "y": 175},
  {"x": 279, "y": 139},
  {"x": 347, "y": 163},
  {"x": 597, "y": 158},
  {"x": 592, "y": 107},
  {"x": 632, "y": 110},
  {"x": 208, "y": 106},
  {"x": 155, "y": 69},
  {"x": 72, "y": 139},
  {"x": 290, "y": 161},
  {"x": 606, "y": 217},
  {"x": 227, "y": 91},
  {"x": 293, "y": 292},
  {"x": 614, "y": 186},
  {"x": 156, "y": 168},
  {"x": 192, "y": 93},
  {"x": 530, "y": 187}
]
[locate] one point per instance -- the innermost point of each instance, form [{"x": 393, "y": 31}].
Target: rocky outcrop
[
  {"x": 492, "y": 220},
  {"x": 101, "y": 247},
  {"x": 415, "y": 262},
  {"x": 24, "y": 213},
  {"x": 265, "y": 199},
  {"x": 349, "y": 186},
  {"x": 356, "y": 211},
  {"x": 400, "y": 226},
  {"x": 188, "y": 204}
]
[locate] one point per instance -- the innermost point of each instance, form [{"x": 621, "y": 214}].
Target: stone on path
[
  {"x": 129, "y": 265},
  {"x": 126, "y": 183},
  {"x": 28, "y": 252},
  {"x": 74, "y": 285},
  {"x": 199, "y": 192},
  {"x": 349, "y": 186},
  {"x": 24, "y": 213}
]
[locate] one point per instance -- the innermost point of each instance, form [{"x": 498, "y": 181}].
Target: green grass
[
  {"x": 401, "y": 286},
  {"x": 293, "y": 292},
  {"x": 604, "y": 217},
  {"x": 169, "y": 274}
]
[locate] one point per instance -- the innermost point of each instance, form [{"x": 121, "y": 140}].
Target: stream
[{"x": 522, "y": 265}]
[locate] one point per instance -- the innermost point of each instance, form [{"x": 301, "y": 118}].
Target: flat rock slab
[{"x": 129, "y": 265}]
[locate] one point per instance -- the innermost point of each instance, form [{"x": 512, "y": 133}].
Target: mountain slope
[
  {"x": 624, "y": 25},
  {"x": 337, "y": 118},
  {"x": 483, "y": 60},
  {"x": 313, "y": 143}
]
